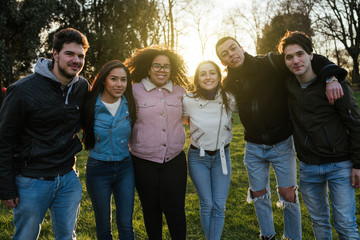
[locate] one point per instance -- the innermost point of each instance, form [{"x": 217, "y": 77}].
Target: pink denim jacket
[{"x": 158, "y": 134}]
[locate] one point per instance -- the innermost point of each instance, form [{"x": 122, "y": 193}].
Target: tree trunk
[{"x": 355, "y": 73}]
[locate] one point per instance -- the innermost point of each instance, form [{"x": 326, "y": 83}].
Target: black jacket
[
  {"x": 260, "y": 90},
  {"x": 38, "y": 130},
  {"x": 324, "y": 133}
]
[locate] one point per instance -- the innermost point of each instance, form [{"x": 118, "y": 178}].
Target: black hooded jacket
[
  {"x": 38, "y": 125},
  {"x": 260, "y": 91}
]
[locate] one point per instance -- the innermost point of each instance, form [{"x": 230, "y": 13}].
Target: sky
[{"x": 189, "y": 44}]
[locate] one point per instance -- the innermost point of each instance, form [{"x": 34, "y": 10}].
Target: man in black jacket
[
  {"x": 258, "y": 84},
  {"x": 39, "y": 120},
  {"x": 327, "y": 141}
]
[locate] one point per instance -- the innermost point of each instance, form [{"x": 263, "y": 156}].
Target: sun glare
[{"x": 189, "y": 45}]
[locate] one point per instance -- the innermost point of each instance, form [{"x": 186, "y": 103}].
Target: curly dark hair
[
  {"x": 69, "y": 35},
  {"x": 140, "y": 62}
]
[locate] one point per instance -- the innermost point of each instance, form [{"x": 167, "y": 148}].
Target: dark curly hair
[
  {"x": 69, "y": 35},
  {"x": 140, "y": 62}
]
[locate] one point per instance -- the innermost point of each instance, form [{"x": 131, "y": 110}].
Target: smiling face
[
  {"x": 298, "y": 62},
  {"x": 115, "y": 85},
  {"x": 68, "y": 62},
  {"x": 231, "y": 54},
  {"x": 208, "y": 77},
  {"x": 161, "y": 76}
]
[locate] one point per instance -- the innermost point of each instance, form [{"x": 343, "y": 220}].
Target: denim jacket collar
[
  {"x": 150, "y": 86},
  {"x": 100, "y": 104}
]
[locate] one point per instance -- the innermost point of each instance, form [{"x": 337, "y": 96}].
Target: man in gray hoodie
[{"x": 39, "y": 120}]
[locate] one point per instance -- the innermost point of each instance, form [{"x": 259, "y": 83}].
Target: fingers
[
  {"x": 355, "y": 178},
  {"x": 11, "y": 203},
  {"x": 331, "y": 99},
  {"x": 334, "y": 91}
]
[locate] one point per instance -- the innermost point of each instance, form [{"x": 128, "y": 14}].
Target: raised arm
[{"x": 330, "y": 73}]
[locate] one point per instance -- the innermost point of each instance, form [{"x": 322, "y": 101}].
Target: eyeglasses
[{"x": 157, "y": 67}]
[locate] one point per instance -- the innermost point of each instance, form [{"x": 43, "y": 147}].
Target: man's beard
[{"x": 66, "y": 74}]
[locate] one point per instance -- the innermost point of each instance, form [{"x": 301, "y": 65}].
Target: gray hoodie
[{"x": 42, "y": 68}]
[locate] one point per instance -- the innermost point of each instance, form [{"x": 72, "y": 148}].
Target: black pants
[{"x": 161, "y": 189}]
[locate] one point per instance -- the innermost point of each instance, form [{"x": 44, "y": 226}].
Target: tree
[
  {"x": 114, "y": 28},
  {"x": 339, "y": 19},
  {"x": 272, "y": 33},
  {"x": 198, "y": 13},
  {"x": 248, "y": 20},
  {"x": 21, "y": 23}
]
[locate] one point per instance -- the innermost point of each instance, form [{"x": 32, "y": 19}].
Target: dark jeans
[
  {"x": 102, "y": 180},
  {"x": 161, "y": 189}
]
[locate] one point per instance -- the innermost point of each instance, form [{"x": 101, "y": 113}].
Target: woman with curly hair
[
  {"x": 108, "y": 115},
  {"x": 158, "y": 138}
]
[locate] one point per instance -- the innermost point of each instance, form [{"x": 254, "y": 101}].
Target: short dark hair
[
  {"x": 69, "y": 35},
  {"x": 222, "y": 40},
  {"x": 296, "y": 37}
]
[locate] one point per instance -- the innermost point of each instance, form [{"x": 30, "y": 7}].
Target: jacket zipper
[
  {"x": 302, "y": 106},
  {"x": 112, "y": 146},
  {"x": 217, "y": 138},
  {"x": 352, "y": 117},
  {"x": 98, "y": 139},
  {"x": 328, "y": 138}
]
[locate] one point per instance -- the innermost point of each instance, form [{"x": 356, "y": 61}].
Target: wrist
[{"x": 331, "y": 79}]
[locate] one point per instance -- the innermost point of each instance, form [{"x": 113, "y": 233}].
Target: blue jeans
[
  {"x": 212, "y": 188},
  {"x": 258, "y": 158},
  {"x": 315, "y": 180},
  {"x": 62, "y": 196},
  {"x": 102, "y": 180}
]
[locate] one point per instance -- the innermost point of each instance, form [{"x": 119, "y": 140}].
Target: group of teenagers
[{"x": 133, "y": 118}]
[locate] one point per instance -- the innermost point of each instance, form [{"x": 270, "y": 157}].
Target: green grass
[{"x": 240, "y": 220}]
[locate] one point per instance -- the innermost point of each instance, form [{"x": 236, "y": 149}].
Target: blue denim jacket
[{"x": 111, "y": 133}]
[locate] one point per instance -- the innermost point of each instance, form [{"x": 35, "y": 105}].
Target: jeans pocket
[
  {"x": 343, "y": 164},
  {"x": 284, "y": 147},
  {"x": 303, "y": 166},
  {"x": 91, "y": 162},
  {"x": 193, "y": 154},
  {"x": 24, "y": 182}
]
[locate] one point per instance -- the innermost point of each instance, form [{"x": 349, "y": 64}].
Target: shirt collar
[{"x": 150, "y": 86}]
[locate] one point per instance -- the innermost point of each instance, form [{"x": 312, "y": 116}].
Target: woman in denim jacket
[
  {"x": 108, "y": 113},
  {"x": 209, "y": 109}
]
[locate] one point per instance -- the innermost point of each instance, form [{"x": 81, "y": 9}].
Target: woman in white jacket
[{"x": 208, "y": 110}]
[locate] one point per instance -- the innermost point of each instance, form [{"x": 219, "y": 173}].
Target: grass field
[{"x": 240, "y": 220}]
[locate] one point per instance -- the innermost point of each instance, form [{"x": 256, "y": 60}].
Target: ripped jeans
[{"x": 258, "y": 158}]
